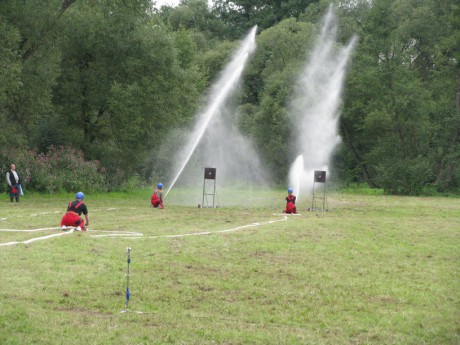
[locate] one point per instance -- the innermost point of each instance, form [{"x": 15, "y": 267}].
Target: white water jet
[
  {"x": 315, "y": 106},
  {"x": 221, "y": 91},
  {"x": 296, "y": 175}
]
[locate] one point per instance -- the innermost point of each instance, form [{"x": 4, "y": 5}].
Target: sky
[{"x": 159, "y": 3}]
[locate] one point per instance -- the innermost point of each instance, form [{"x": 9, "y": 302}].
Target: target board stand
[
  {"x": 209, "y": 188},
  {"x": 319, "y": 198}
]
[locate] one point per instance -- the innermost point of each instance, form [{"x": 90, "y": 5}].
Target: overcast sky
[{"x": 159, "y": 3}]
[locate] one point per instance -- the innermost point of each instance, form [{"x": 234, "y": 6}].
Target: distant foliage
[
  {"x": 399, "y": 178},
  {"x": 61, "y": 169},
  {"x": 119, "y": 82}
]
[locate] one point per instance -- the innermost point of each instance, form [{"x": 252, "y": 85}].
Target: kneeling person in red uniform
[
  {"x": 157, "y": 197},
  {"x": 290, "y": 202},
  {"x": 74, "y": 211}
]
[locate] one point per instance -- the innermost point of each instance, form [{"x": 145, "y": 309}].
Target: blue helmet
[
  {"x": 160, "y": 185},
  {"x": 290, "y": 190},
  {"x": 80, "y": 195}
]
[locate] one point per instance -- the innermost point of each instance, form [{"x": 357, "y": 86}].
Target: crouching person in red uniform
[
  {"x": 74, "y": 211},
  {"x": 290, "y": 202},
  {"x": 157, "y": 197}
]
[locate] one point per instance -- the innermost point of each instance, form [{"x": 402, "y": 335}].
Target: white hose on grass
[
  {"x": 221, "y": 231},
  {"x": 36, "y": 238},
  {"x": 131, "y": 234}
]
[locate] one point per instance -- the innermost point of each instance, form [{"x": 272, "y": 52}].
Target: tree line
[{"x": 105, "y": 83}]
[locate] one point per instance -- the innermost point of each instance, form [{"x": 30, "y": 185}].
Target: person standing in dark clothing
[{"x": 13, "y": 180}]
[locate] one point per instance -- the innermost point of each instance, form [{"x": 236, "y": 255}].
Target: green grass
[{"x": 375, "y": 269}]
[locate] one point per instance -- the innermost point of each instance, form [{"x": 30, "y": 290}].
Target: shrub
[
  {"x": 61, "y": 169},
  {"x": 404, "y": 177}
]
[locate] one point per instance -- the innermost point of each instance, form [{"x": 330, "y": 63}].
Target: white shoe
[
  {"x": 78, "y": 228},
  {"x": 63, "y": 227}
]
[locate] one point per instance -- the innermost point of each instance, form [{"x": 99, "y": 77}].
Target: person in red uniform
[
  {"x": 290, "y": 202},
  {"x": 157, "y": 197},
  {"x": 74, "y": 211}
]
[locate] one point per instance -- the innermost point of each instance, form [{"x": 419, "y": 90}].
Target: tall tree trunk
[
  {"x": 358, "y": 161},
  {"x": 30, "y": 48},
  {"x": 446, "y": 170}
]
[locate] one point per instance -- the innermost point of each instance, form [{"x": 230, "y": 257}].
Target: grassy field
[{"x": 373, "y": 270}]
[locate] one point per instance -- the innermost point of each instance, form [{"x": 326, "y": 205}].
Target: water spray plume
[
  {"x": 296, "y": 175},
  {"x": 219, "y": 94},
  {"x": 315, "y": 106}
]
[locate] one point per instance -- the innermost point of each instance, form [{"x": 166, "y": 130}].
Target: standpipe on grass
[
  {"x": 128, "y": 293},
  {"x": 128, "y": 234}
]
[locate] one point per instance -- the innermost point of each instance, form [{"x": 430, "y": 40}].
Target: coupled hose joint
[{"x": 128, "y": 293}]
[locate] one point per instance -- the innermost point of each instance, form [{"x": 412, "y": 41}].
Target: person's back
[
  {"x": 78, "y": 207},
  {"x": 74, "y": 210}
]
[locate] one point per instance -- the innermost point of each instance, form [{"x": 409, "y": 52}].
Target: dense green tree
[
  {"x": 125, "y": 81},
  {"x": 114, "y": 78},
  {"x": 29, "y": 30},
  {"x": 241, "y": 15},
  {"x": 398, "y": 121},
  {"x": 10, "y": 81},
  {"x": 268, "y": 84},
  {"x": 195, "y": 16}
]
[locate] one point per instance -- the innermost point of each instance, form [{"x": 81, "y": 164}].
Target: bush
[
  {"x": 61, "y": 169},
  {"x": 404, "y": 177}
]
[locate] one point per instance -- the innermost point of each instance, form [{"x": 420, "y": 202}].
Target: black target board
[
  {"x": 320, "y": 176},
  {"x": 210, "y": 173}
]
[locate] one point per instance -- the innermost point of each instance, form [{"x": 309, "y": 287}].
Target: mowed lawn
[{"x": 374, "y": 269}]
